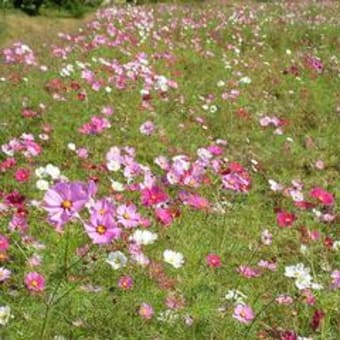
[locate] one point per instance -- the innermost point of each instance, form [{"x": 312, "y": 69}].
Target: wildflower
[
  {"x": 116, "y": 260},
  {"x": 335, "y": 275},
  {"x": 243, "y": 313},
  {"x": 125, "y": 282},
  {"x": 213, "y": 260},
  {"x": 322, "y": 196},
  {"x": 35, "y": 282},
  {"x": 146, "y": 311},
  {"x": 143, "y": 237},
  {"x": 42, "y": 185},
  {"x": 64, "y": 200},
  {"x": 266, "y": 237},
  {"x": 5, "y": 314},
  {"x": 285, "y": 219},
  {"x": 147, "y": 128},
  {"x": 316, "y": 319},
  {"x": 284, "y": 300},
  {"x": 174, "y": 258},
  {"x": 22, "y": 175},
  {"x": 128, "y": 216},
  {"x": 153, "y": 196},
  {"x": 4, "y": 243},
  {"x": 102, "y": 229},
  {"x": 5, "y": 274},
  {"x": 248, "y": 272}
]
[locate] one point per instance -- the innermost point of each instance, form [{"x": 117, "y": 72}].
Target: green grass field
[{"x": 242, "y": 101}]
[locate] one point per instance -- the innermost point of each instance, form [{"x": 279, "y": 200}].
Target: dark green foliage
[{"x": 76, "y": 8}]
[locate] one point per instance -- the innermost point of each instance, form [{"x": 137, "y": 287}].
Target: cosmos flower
[
  {"x": 323, "y": 196},
  {"x": 243, "y": 313},
  {"x": 64, "y": 200},
  {"x": 146, "y": 311},
  {"x": 116, "y": 260},
  {"x": 143, "y": 237},
  {"x": 176, "y": 259},
  {"x": 35, "y": 282},
  {"x": 102, "y": 229},
  {"x": 5, "y": 314}
]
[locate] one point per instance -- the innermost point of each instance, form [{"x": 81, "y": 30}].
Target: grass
[
  {"x": 198, "y": 47},
  {"x": 17, "y": 26}
]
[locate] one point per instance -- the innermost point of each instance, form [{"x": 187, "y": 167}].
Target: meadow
[{"x": 171, "y": 171}]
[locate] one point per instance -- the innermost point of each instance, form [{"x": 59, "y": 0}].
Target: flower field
[{"x": 172, "y": 171}]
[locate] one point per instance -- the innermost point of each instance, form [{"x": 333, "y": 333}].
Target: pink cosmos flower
[
  {"x": 272, "y": 266},
  {"x": 5, "y": 274},
  {"x": 284, "y": 300},
  {"x": 309, "y": 297},
  {"x": 285, "y": 219},
  {"x": 4, "y": 243},
  {"x": 18, "y": 222},
  {"x": 213, "y": 260},
  {"x": 243, "y": 313},
  {"x": 22, "y": 175},
  {"x": 335, "y": 279},
  {"x": 248, "y": 272},
  {"x": 146, "y": 311},
  {"x": 147, "y": 128},
  {"x": 107, "y": 110},
  {"x": 322, "y": 196},
  {"x": 96, "y": 125},
  {"x": 193, "y": 200},
  {"x": 35, "y": 282},
  {"x": 64, "y": 200},
  {"x": 165, "y": 216},
  {"x": 102, "y": 229},
  {"x": 82, "y": 153},
  {"x": 153, "y": 196},
  {"x": 125, "y": 282},
  {"x": 128, "y": 216}
]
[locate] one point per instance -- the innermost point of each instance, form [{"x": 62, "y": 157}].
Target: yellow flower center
[
  {"x": 66, "y": 204},
  {"x": 34, "y": 283},
  {"x": 126, "y": 216},
  {"x": 101, "y": 229}
]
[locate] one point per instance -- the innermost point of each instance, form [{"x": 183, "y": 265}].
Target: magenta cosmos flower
[
  {"x": 285, "y": 219},
  {"x": 213, "y": 260},
  {"x": 4, "y": 243},
  {"x": 153, "y": 196},
  {"x": 323, "y": 196},
  {"x": 102, "y": 229},
  {"x": 64, "y": 200},
  {"x": 35, "y": 282},
  {"x": 243, "y": 313}
]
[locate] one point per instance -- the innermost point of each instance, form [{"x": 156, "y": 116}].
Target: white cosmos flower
[
  {"x": 143, "y": 237},
  {"x": 116, "y": 260},
  {"x": 296, "y": 271},
  {"x": 303, "y": 281},
  {"x": 71, "y": 146},
  {"x": 117, "y": 186},
  {"x": 5, "y": 314},
  {"x": 53, "y": 171},
  {"x": 113, "y": 165},
  {"x": 42, "y": 185},
  {"x": 174, "y": 258}
]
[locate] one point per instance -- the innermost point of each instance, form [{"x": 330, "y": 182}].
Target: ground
[{"x": 210, "y": 130}]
